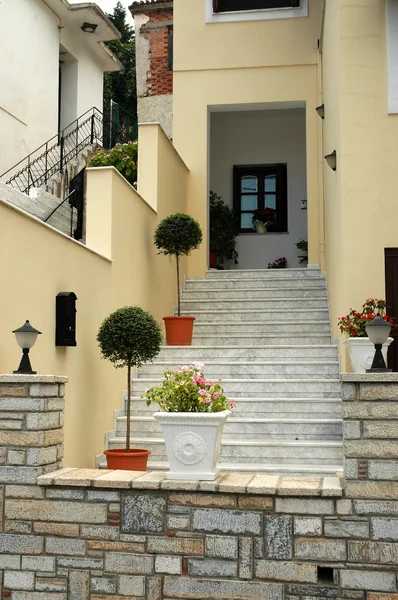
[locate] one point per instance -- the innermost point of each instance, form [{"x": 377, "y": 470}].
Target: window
[
  {"x": 235, "y": 5},
  {"x": 170, "y": 48},
  {"x": 260, "y": 187}
]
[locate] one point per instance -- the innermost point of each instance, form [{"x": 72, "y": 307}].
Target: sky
[{"x": 108, "y": 5}]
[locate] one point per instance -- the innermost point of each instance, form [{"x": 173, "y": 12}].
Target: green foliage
[
  {"x": 121, "y": 86},
  {"x": 223, "y": 229},
  {"x": 187, "y": 390},
  {"x": 178, "y": 235},
  {"x": 355, "y": 322},
  {"x": 129, "y": 337},
  {"x": 303, "y": 246},
  {"x": 123, "y": 157}
]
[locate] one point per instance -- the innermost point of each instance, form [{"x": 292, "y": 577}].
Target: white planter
[
  {"x": 362, "y": 351},
  {"x": 260, "y": 227},
  {"x": 193, "y": 443}
]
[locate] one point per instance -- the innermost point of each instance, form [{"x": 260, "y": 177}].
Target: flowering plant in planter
[
  {"x": 354, "y": 323},
  {"x": 193, "y": 412},
  {"x": 278, "y": 263},
  {"x": 266, "y": 216},
  {"x": 187, "y": 390}
]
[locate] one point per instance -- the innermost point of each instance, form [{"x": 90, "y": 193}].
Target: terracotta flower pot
[
  {"x": 179, "y": 330},
  {"x": 213, "y": 260},
  {"x": 135, "y": 460}
]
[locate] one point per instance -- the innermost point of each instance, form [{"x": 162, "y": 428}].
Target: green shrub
[
  {"x": 124, "y": 157},
  {"x": 127, "y": 338},
  {"x": 177, "y": 235},
  {"x": 223, "y": 229}
]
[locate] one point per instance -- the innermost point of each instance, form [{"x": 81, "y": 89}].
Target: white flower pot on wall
[
  {"x": 362, "y": 351},
  {"x": 193, "y": 443}
]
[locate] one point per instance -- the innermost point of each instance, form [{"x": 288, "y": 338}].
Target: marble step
[
  {"x": 265, "y": 293},
  {"x": 246, "y": 428},
  {"x": 262, "y": 388},
  {"x": 262, "y": 327},
  {"x": 257, "y": 340},
  {"x": 271, "y": 274},
  {"x": 263, "y": 408},
  {"x": 272, "y": 352},
  {"x": 298, "y": 470},
  {"x": 254, "y": 369},
  {"x": 255, "y": 282},
  {"x": 277, "y": 451},
  {"x": 259, "y": 316},
  {"x": 276, "y": 305}
]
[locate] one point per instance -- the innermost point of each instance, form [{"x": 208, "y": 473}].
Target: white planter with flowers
[
  {"x": 194, "y": 410},
  {"x": 193, "y": 443},
  {"x": 362, "y": 351}
]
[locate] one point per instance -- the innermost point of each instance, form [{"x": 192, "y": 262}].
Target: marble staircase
[{"x": 267, "y": 334}]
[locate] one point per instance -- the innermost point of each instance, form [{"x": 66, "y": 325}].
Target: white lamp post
[
  {"x": 26, "y": 338},
  {"x": 378, "y": 331}
]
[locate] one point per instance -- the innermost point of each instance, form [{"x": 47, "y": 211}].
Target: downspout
[{"x": 321, "y": 194}]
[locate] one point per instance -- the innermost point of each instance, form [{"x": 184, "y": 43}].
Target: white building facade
[{"x": 52, "y": 62}]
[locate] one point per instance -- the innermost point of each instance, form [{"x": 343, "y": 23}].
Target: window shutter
[{"x": 216, "y": 6}]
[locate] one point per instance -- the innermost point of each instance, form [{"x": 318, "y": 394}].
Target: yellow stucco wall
[
  {"x": 234, "y": 64},
  {"x": 37, "y": 262},
  {"x": 362, "y": 196}
]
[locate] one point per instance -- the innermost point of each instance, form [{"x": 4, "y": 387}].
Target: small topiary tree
[
  {"x": 177, "y": 235},
  {"x": 129, "y": 337}
]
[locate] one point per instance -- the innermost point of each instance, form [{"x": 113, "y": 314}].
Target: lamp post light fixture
[
  {"x": 331, "y": 160},
  {"x": 321, "y": 111},
  {"x": 378, "y": 331},
  {"x": 89, "y": 27},
  {"x": 26, "y": 338}
]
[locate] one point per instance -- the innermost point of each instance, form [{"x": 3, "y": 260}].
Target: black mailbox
[{"x": 65, "y": 319}]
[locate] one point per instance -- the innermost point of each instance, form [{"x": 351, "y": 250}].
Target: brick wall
[
  {"x": 108, "y": 535},
  {"x": 159, "y": 78}
]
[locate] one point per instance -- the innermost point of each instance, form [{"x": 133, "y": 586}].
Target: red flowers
[
  {"x": 266, "y": 216},
  {"x": 354, "y": 323}
]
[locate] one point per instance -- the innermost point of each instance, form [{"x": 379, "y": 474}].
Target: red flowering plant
[
  {"x": 266, "y": 216},
  {"x": 278, "y": 263},
  {"x": 354, "y": 323}
]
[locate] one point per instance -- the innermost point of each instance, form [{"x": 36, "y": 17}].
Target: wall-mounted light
[
  {"x": 89, "y": 27},
  {"x": 378, "y": 331},
  {"x": 26, "y": 338},
  {"x": 321, "y": 111},
  {"x": 331, "y": 159}
]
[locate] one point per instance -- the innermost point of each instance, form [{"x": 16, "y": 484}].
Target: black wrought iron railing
[{"x": 54, "y": 155}]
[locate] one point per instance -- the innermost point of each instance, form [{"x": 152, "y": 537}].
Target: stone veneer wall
[{"x": 110, "y": 535}]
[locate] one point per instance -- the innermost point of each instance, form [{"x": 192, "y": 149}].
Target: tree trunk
[
  {"x": 128, "y": 412},
  {"x": 178, "y": 287}
]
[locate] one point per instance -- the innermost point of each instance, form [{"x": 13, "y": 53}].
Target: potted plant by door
[
  {"x": 192, "y": 416},
  {"x": 129, "y": 337},
  {"x": 360, "y": 348},
  {"x": 263, "y": 218},
  {"x": 223, "y": 232},
  {"x": 177, "y": 235}
]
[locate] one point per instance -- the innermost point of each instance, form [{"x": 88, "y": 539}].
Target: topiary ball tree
[
  {"x": 127, "y": 338},
  {"x": 177, "y": 235}
]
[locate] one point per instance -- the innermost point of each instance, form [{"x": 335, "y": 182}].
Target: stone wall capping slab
[
  {"x": 49, "y": 478},
  {"x": 332, "y": 486},
  {"x": 9, "y": 378},
  {"x": 116, "y": 479},
  {"x": 232, "y": 483},
  {"x": 369, "y": 377},
  {"x": 300, "y": 486}
]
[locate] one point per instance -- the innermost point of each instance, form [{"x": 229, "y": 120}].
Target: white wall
[
  {"x": 29, "y": 45},
  {"x": 262, "y": 137},
  {"x": 29, "y": 50}
]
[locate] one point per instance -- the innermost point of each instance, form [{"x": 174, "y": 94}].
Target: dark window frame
[
  {"x": 220, "y": 6},
  {"x": 260, "y": 171},
  {"x": 170, "y": 43}
]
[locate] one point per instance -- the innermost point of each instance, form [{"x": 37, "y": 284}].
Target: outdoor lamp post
[
  {"x": 378, "y": 331},
  {"x": 26, "y": 338}
]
